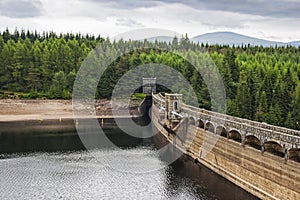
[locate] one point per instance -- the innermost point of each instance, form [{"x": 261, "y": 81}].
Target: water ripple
[{"x": 79, "y": 175}]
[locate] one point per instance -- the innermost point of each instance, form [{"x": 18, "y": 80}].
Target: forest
[{"x": 261, "y": 84}]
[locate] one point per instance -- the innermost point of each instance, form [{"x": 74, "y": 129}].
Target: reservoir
[{"x": 52, "y": 165}]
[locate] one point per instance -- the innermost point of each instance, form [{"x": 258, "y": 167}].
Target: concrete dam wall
[{"x": 266, "y": 176}]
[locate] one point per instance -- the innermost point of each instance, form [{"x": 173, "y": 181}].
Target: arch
[
  {"x": 192, "y": 121},
  {"x": 175, "y": 105},
  {"x": 200, "y": 123},
  {"x": 294, "y": 154},
  {"x": 210, "y": 127},
  {"x": 253, "y": 141},
  {"x": 220, "y": 130},
  {"x": 274, "y": 148},
  {"x": 235, "y": 135}
]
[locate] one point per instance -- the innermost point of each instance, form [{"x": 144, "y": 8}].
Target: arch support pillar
[
  {"x": 186, "y": 124},
  {"x": 262, "y": 150},
  {"x": 243, "y": 137},
  {"x": 286, "y": 153}
]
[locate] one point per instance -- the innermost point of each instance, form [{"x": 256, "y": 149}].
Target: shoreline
[
  {"x": 58, "y": 125},
  {"x": 25, "y": 116},
  {"x": 12, "y": 110}
]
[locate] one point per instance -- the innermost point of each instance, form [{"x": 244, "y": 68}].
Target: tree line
[{"x": 261, "y": 83}]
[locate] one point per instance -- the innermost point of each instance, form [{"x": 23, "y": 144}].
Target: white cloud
[
  {"x": 20, "y": 8},
  {"x": 112, "y": 18},
  {"x": 128, "y": 22}
]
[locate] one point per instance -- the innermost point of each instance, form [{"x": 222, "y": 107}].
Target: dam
[{"x": 262, "y": 159}]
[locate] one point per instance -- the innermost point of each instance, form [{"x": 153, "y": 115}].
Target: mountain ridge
[{"x": 229, "y": 38}]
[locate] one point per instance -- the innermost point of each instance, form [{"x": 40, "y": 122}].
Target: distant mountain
[
  {"x": 230, "y": 38},
  {"x": 161, "y": 39},
  {"x": 294, "y": 43}
]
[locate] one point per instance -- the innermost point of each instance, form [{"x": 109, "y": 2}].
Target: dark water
[{"x": 56, "y": 166}]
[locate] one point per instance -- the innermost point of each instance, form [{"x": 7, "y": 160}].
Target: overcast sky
[{"x": 268, "y": 19}]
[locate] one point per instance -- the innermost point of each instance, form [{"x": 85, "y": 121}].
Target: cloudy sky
[{"x": 268, "y": 19}]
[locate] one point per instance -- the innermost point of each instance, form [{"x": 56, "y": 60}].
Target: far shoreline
[{"x": 16, "y": 110}]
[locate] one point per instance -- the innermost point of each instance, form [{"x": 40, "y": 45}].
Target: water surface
[{"x": 56, "y": 166}]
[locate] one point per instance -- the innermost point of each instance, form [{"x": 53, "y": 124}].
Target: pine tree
[
  {"x": 262, "y": 111},
  {"x": 243, "y": 97},
  {"x": 59, "y": 84},
  {"x": 1, "y": 44},
  {"x": 289, "y": 123},
  {"x": 287, "y": 90},
  {"x": 226, "y": 73},
  {"x": 296, "y": 107},
  {"x": 2, "y": 66},
  {"x": 267, "y": 87},
  {"x": 230, "y": 58},
  {"x": 33, "y": 78},
  {"x": 70, "y": 81},
  {"x": 275, "y": 115}
]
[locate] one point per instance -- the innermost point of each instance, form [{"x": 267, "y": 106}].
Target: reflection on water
[
  {"x": 51, "y": 142},
  {"x": 56, "y": 166}
]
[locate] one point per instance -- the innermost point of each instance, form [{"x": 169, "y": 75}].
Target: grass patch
[
  {"x": 138, "y": 96},
  {"x": 21, "y": 95}
]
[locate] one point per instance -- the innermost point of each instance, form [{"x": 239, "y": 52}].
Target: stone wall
[{"x": 264, "y": 175}]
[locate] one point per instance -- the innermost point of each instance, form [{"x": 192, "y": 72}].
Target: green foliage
[
  {"x": 296, "y": 107},
  {"x": 59, "y": 83},
  {"x": 243, "y": 98},
  {"x": 275, "y": 115},
  {"x": 261, "y": 83},
  {"x": 66, "y": 94},
  {"x": 33, "y": 94},
  {"x": 289, "y": 123},
  {"x": 138, "y": 96},
  {"x": 262, "y": 111}
]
